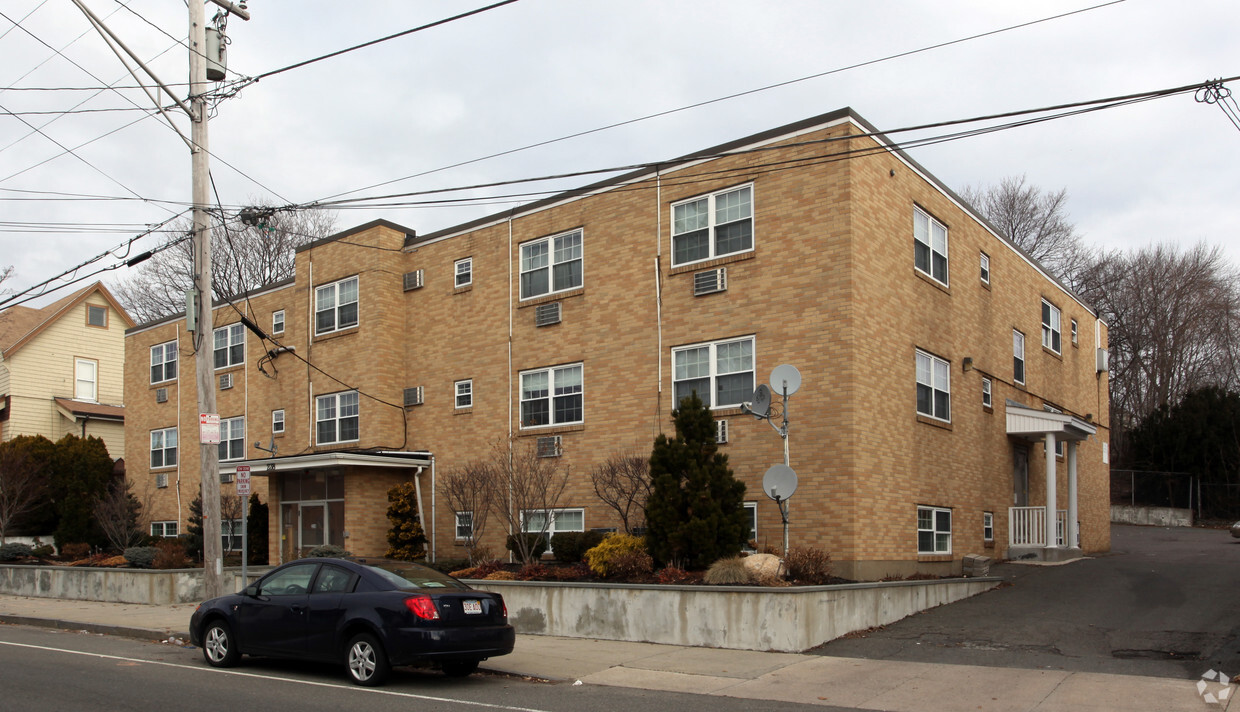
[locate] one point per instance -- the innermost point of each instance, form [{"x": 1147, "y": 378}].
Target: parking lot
[{"x": 1162, "y": 603}]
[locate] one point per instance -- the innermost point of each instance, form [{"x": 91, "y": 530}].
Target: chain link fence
[{"x": 1182, "y": 490}]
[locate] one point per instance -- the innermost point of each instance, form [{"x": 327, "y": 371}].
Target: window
[
  {"x": 335, "y": 306},
  {"x": 97, "y": 315},
  {"x": 85, "y": 376},
  {"x": 550, "y": 265},
  {"x": 337, "y": 418},
  {"x": 229, "y": 345},
  {"x": 291, "y": 581},
  {"x": 987, "y": 399},
  {"x": 929, "y": 246},
  {"x": 721, "y": 373},
  {"x": 163, "y": 529},
  {"x": 934, "y": 530},
  {"x": 712, "y": 226},
  {"x": 333, "y": 579},
  {"x": 164, "y": 448},
  {"x": 164, "y": 362},
  {"x": 988, "y": 526},
  {"x": 1074, "y": 332},
  {"x": 464, "y": 526},
  {"x": 232, "y": 439},
  {"x": 934, "y": 396},
  {"x": 1018, "y": 356},
  {"x": 230, "y": 534},
  {"x": 465, "y": 394},
  {"x": 985, "y": 268},
  {"x": 751, "y": 511},
  {"x": 553, "y": 522},
  {"x": 552, "y": 396},
  {"x": 464, "y": 272},
  {"x": 277, "y": 421},
  {"x": 1050, "y": 326},
  {"x": 277, "y": 322}
]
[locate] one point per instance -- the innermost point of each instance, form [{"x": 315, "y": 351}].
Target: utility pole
[{"x": 213, "y": 565}]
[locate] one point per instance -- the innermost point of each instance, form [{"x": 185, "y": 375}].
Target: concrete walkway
[{"x": 781, "y": 677}]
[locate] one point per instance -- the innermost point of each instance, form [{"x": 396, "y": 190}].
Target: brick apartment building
[{"x": 940, "y": 364}]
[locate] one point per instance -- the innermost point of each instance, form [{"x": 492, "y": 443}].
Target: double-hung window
[
  {"x": 465, "y": 393},
  {"x": 934, "y": 530},
  {"x": 985, "y": 268},
  {"x": 552, "y": 396},
  {"x": 712, "y": 226},
  {"x": 930, "y": 246},
  {"x": 988, "y": 526},
  {"x": 164, "y": 362},
  {"x": 1050, "y": 326},
  {"x": 163, "y": 448},
  {"x": 336, "y": 419},
  {"x": 86, "y": 379},
  {"x": 277, "y": 421},
  {"x": 987, "y": 398},
  {"x": 721, "y": 372},
  {"x": 232, "y": 439},
  {"x": 934, "y": 387},
  {"x": 229, "y": 345},
  {"x": 552, "y": 522},
  {"x": 277, "y": 322},
  {"x": 464, "y": 272},
  {"x": 550, "y": 265},
  {"x": 335, "y": 306},
  {"x": 1018, "y": 356},
  {"x": 464, "y": 526}
]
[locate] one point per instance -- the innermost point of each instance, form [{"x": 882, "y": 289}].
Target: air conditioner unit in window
[
  {"x": 161, "y": 395},
  {"x": 549, "y": 446},
  {"x": 413, "y": 396},
  {"x": 413, "y": 280},
  {"x": 1104, "y": 360},
  {"x": 547, "y": 314},
  {"x": 225, "y": 478},
  {"x": 710, "y": 281},
  {"x": 721, "y": 432},
  {"x": 226, "y": 381},
  {"x": 161, "y": 480}
]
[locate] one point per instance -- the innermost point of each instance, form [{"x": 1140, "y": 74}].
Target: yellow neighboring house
[{"x": 62, "y": 369}]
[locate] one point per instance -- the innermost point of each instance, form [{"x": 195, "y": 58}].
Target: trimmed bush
[
  {"x": 601, "y": 558},
  {"x": 533, "y": 572},
  {"x": 141, "y": 557},
  {"x": 537, "y": 544},
  {"x": 728, "y": 572},
  {"x": 634, "y": 567},
  {"x": 502, "y": 576},
  {"x": 171, "y": 554},
  {"x": 330, "y": 551},
  {"x": 808, "y": 565},
  {"x": 571, "y": 547},
  {"x": 14, "y": 551}
]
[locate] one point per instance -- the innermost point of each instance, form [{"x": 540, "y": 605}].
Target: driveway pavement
[{"x": 1163, "y": 603}]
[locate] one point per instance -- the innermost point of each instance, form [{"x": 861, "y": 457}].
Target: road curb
[{"x": 100, "y": 629}]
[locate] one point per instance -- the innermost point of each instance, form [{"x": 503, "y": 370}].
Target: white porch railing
[{"x": 1027, "y": 526}]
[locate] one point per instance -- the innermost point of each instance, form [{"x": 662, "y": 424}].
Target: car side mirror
[{"x": 252, "y": 590}]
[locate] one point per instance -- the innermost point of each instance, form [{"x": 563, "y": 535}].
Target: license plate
[{"x": 472, "y": 606}]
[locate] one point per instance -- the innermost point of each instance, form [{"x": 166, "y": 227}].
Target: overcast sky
[{"x": 538, "y": 70}]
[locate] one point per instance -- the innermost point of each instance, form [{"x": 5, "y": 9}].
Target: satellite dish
[
  {"x": 779, "y": 482},
  {"x": 761, "y": 407},
  {"x": 785, "y": 379}
]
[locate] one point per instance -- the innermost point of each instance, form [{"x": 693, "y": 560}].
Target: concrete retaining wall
[
  {"x": 113, "y": 585},
  {"x": 1151, "y": 516},
  {"x": 738, "y": 617}
]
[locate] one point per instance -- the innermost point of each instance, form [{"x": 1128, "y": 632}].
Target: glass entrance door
[{"x": 313, "y": 526}]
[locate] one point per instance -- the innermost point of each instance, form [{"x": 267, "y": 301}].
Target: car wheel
[
  {"x": 367, "y": 663},
  {"x": 459, "y": 668},
  {"x": 219, "y": 647}
]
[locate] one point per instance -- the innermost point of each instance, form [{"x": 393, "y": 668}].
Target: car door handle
[{"x": 297, "y": 609}]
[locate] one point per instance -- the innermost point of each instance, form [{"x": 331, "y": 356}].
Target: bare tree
[
  {"x": 623, "y": 483},
  {"x": 470, "y": 491},
  {"x": 243, "y": 257},
  {"x": 22, "y": 487},
  {"x": 118, "y": 514},
  {"x": 230, "y": 513},
  {"x": 6, "y": 273},
  {"x": 527, "y": 489},
  {"x": 1037, "y": 221}
]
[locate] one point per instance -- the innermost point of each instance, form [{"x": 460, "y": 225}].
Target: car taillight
[
  {"x": 423, "y": 607},
  {"x": 505, "y": 610}
]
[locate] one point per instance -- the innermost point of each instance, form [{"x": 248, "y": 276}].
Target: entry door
[
  {"x": 313, "y": 526},
  {"x": 1020, "y": 477}
]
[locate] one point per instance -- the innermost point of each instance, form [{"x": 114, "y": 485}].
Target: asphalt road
[{"x": 1163, "y": 603}]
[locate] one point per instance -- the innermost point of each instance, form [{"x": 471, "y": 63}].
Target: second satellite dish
[
  {"x": 761, "y": 407},
  {"x": 785, "y": 379},
  {"x": 779, "y": 482}
]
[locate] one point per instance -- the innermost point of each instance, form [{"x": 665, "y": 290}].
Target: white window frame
[
  {"x": 338, "y": 402},
  {"x": 555, "y": 376},
  {"x": 232, "y": 439},
  {"x": 277, "y": 421},
  {"x": 463, "y": 268},
  {"x": 165, "y": 357},
  {"x": 985, "y": 267},
  {"x": 463, "y": 393},
  {"x": 988, "y": 526},
  {"x": 931, "y": 372},
  {"x": 164, "y": 529},
  {"x": 1018, "y": 357},
  {"x": 716, "y": 217},
  {"x": 1074, "y": 332},
  {"x": 552, "y": 522},
  {"x": 342, "y": 317},
  {"x": 277, "y": 321},
  {"x": 934, "y": 530},
  {"x": 681, "y": 369},
  {"x": 464, "y": 522},
  {"x": 751, "y": 510},
  {"x": 162, "y": 436},
  {"x": 925, "y": 236},
  {"x": 549, "y": 253},
  {"x": 987, "y": 394},
  {"x": 86, "y": 379},
  {"x": 233, "y": 337},
  {"x": 230, "y": 534},
  {"x": 1051, "y": 324}
]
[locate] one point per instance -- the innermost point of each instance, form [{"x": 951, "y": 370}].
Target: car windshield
[{"x": 404, "y": 574}]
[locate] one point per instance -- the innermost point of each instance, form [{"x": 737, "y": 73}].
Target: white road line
[{"x": 353, "y": 688}]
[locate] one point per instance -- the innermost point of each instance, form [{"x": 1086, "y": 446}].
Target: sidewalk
[{"x": 783, "y": 677}]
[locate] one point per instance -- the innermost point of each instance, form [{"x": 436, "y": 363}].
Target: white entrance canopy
[
  {"x": 319, "y": 460},
  {"x": 1034, "y": 424}
]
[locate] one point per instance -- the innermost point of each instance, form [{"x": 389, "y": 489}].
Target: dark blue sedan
[{"x": 369, "y": 614}]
